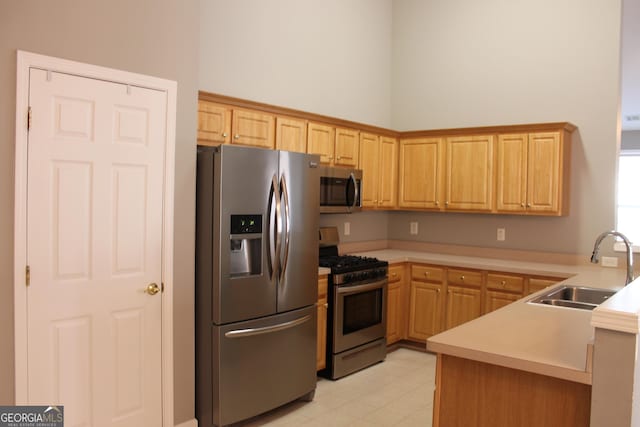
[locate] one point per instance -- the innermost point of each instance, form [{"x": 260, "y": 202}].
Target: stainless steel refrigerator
[{"x": 256, "y": 281}]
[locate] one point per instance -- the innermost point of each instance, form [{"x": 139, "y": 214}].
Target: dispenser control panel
[{"x": 246, "y": 224}]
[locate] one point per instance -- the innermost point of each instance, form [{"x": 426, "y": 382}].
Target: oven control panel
[{"x": 368, "y": 275}]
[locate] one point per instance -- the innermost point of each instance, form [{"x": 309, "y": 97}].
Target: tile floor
[{"x": 396, "y": 392}]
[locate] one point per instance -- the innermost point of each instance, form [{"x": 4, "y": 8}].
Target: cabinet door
[
  {"x": 543, "y": 172},
  {"x": 253, "y": 128},
  {"x": 463, "y": 304},
  {"x": 321, "y": 140},
  {"x": 495, "y": 300},
  {"x": 321, "y": 345},
  {"x": 388, "y": 169},
  {"x": 291, "y": 134},
  {"x": 511, "y": 173},
  {"x": 347, "y": 147},
  {"x": 469, "y": 173},
  {"x": 369, "y": 163},
  {"x": 420, "y": 173},
  {"x": 214, "y": 123},
  {"x": 425, "y": 310},
  {"x": 394, "y": 312}
]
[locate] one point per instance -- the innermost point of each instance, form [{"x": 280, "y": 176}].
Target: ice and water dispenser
[{"x": 246, "y": 245}]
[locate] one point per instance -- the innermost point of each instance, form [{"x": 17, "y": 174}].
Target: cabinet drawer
[
  {"x": 505, "y": 282},
  {"x": 427, "y": 273},
  {"x": 464, "y": 277},
  {"x": 396, "y": 273},
  {"x": 537, "y": 284}
]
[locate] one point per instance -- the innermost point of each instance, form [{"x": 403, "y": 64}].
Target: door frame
[{"x": 25, "y": 61}]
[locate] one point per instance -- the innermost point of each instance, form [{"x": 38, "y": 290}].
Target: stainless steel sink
[{"x": 574, "y": 296}]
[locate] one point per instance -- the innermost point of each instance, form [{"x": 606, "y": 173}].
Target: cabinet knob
[
  {"x": 426, "y": 273},
  {"x": 462, "y": 277},
  {"x": 338, "y": 158},
  {"x": 437, "y": 291},
  {"x": 236, "y": 136},
  {"x": 528, "y": 205},
  {"x": 437, "y": 203},
  {"x": 503, "y": 283},
  {"x": 394, "y": 274},
  {"x": 446, "y": 203},
  {"x": 326, "y": 305},
  {"x": 224, "y": 134},
  {"x": 522, "y": 204}
]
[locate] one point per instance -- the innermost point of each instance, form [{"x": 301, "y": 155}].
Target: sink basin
[{"x": 574, "y": 296}]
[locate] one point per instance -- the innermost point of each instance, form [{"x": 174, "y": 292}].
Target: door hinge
[
  {"x": 161, "y": 286},
  {"x": 27, "y": 275},
  {"x": 29, "y": 119}
]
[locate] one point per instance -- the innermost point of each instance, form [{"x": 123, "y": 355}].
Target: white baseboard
[{"x": 188, "y": 423}]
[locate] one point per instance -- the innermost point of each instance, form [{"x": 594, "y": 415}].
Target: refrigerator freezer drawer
[{"x": 262, "y": 364}]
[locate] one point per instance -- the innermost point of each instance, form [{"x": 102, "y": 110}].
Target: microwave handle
[{"x": 356, "y": 192}]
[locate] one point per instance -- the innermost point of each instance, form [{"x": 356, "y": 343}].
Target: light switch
[
  {"x": 347, "y": 228},
  {"x": 501, "y": 234}
]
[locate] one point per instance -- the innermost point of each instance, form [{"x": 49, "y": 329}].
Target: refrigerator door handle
[
  {"x": 241, "y": 333},
  {"x": 273, "y": 228},
  {"x": 286, "y": 227},
  {"x": 356, "y": 191}
]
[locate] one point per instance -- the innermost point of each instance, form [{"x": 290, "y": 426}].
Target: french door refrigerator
[{"x": 256, "y": 280}]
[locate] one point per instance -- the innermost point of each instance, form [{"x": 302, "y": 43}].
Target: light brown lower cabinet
[
  {"x": 470, "y": 393},
  {"x": 396, "y": 330},
  {"x": 442, "y": 297},
  {"x": 321, "y": 345}
]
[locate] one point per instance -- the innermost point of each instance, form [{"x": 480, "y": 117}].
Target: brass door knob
[{"x": 152, "y": 289}]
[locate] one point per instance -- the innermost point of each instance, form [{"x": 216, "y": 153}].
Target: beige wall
[
  {"x": 155, "y": 37},
  {"x": 458, "y": 63},
  {"x": 329, "y": 57}
]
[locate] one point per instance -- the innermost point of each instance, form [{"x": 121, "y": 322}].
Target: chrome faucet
[{"x": 627, "y": 243}]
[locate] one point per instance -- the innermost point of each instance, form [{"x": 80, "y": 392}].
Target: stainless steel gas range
[{"x": 357, "y": 309}]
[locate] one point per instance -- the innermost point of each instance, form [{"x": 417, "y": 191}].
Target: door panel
[
  {"x": 260, "y": 372},
  {"x": 238, "y": 192},
  {"x": 94, "y": 233},
  {"x": 298, "y": 287}
]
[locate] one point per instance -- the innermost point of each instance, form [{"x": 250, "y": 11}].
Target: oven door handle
[
  {"x": 361, "y": 288},
  {"x": 240, "y": 333}
]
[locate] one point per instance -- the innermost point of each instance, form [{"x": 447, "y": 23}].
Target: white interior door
[{"x": 94, "y": 243}]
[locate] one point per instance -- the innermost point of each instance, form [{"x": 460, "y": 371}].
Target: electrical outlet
[
  {"x": 501, "y": 234},
  {"x": 609, "y": 261},
  {"x": 347, "y": 228},
  {"x": 413, "y": 227}
]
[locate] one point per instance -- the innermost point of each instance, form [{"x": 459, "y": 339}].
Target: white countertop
[{"x": 533, "y": 337}]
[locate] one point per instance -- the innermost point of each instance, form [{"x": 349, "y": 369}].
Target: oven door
[{"x": 359, "y": 314}]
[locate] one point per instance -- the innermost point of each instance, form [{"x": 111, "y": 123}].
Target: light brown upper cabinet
[
  {"x": 378, "y": 161},
  {"x": 347, "y": 147},
  {"x": 469, "y": 173},
  {"x": 421, "y": 173},
  {"x": 531, "y": 173},
  {"x": 321, "y": 141},
  {"x": 336, "y": 146},
  {"x": 291, "y": 134},
  {"x": 219, "y": 124},
  {"x": 214, "y": 123},
  {"x": 253, "y": 128}
]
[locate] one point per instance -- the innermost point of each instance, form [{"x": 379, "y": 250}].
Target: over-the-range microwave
[{"x": 340, "y": 190}]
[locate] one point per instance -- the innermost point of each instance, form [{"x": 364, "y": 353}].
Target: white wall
[
  {"x": 330, "y": 57},
  {"x": 458, "y": 63}
]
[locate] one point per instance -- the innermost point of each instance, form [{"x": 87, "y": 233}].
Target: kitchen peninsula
[{"x": 527, "y": 364}]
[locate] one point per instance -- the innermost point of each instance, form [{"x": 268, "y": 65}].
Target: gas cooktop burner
[{"x": 347, "y": 269}]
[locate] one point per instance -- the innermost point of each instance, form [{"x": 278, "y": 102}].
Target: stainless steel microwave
[{"x": 340, "y": 190}]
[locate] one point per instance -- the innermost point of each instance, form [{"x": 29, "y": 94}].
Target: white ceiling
[{"x": 630, "y": 85}]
